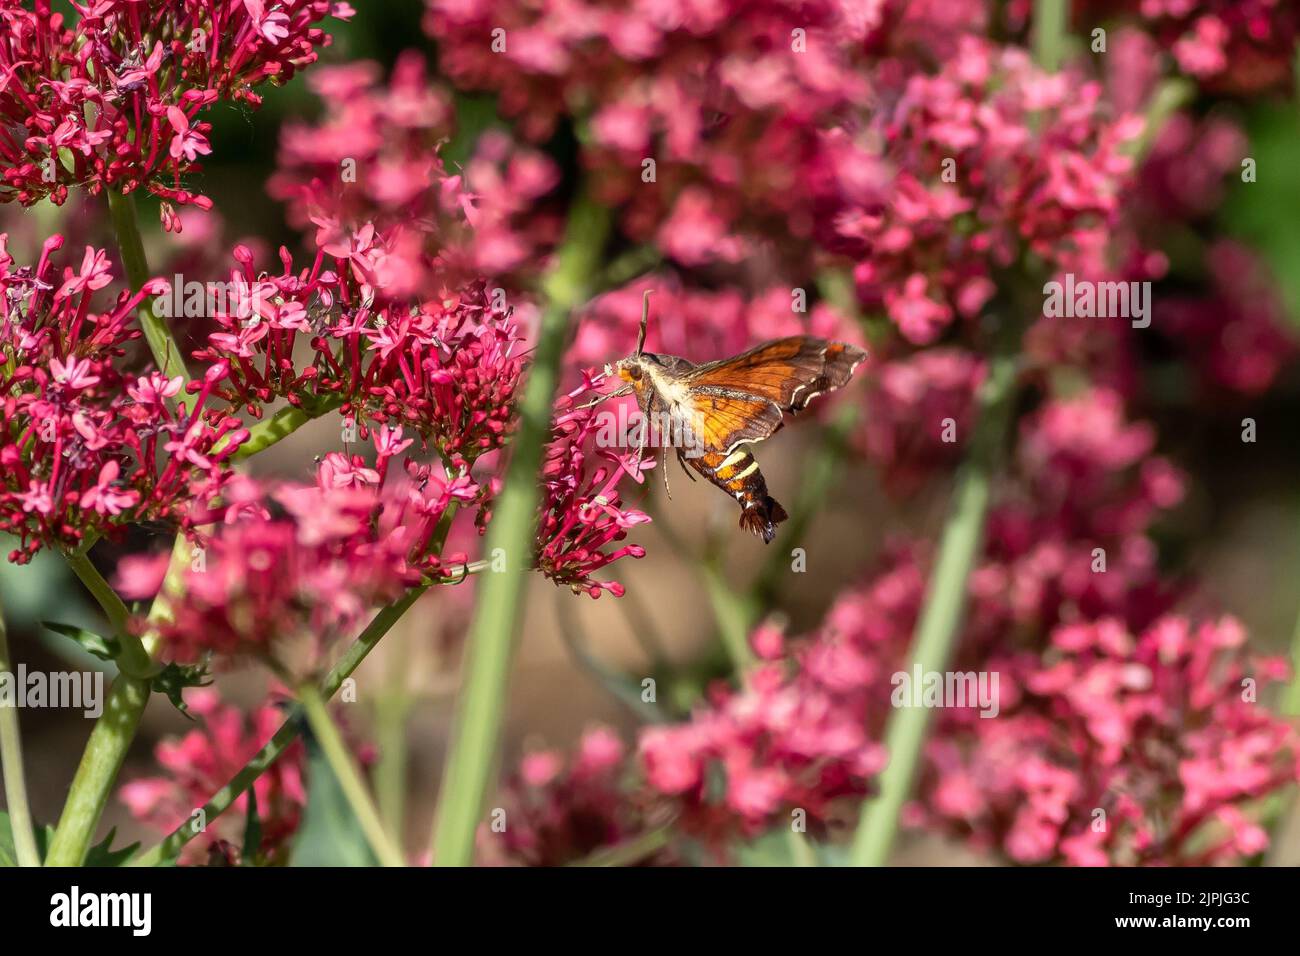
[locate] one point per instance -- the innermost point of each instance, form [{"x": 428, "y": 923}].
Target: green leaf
[
  {"x": 103, "y": 855},
  {"x": 8, "y": 856},
  {"x": 174, "y": 678},
  {"x": 105, "y": 648},
  {"x": 330, "y": 834}
]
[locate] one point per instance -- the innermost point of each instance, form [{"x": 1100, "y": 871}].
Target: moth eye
[{"x": 634, "y": 373}]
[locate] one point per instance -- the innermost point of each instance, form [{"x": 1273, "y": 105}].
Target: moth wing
[
  {"x": 721, "y": 422},
  {"x": 788, "y": 372}
]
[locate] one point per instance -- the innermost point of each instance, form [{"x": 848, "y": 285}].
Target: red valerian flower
[
  {"x": 987, "y": 158},
  {"x": 112, "y": 99},
  {"x": 919, "y": 414},
  {"x": 86, "y": 448},
  {"x": 582, "y": 513},
  {"x": 373, "y": 162},
  {"x": 722, "y": 96},
  {"x": 1120, "y": 749},
  {"x": 201, "y": 762},
  {"x": 290, "y": 570},
  {"x": 560, "y": 811},
  {"x": 1238, "y": 46},
  {"x": 447, "y": 368}
]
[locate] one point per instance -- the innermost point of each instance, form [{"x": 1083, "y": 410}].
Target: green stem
[
  {"x": 11, "y": 762},
  {"x": 288, "y": 732},
  {"x": 1051, "y": 20},
  {"x": 945, "y": 604},
  {"x": 1282, "y": 813},
  {"x": 166, "y": 353},
  {"x": 818, "y": 475},
  {"x": 102, "y": 759},
  {"x": 99, "y": 767},
  {"x": 282, "y": 424},
  {"x": 1291, "y": 696},
  {"x": 492, "y": 634},
  {"x": 348, "y": 775},
  {"x": 733, "y": 612},
  {"x": 391, "y": 713},
  {"x": 133, "y": 659}
]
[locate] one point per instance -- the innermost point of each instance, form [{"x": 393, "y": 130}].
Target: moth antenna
[{"x": 645, "y": 320}]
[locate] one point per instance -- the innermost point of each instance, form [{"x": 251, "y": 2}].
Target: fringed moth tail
[{"x": 763, "y": 517}]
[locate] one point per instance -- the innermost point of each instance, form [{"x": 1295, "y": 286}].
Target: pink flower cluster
[
  {"x": 582, "y": 513},
  {"x": 791, "y": 137},
  {"x": 748, "y": 759},
  {"x": 86, "y": 447},
  {"x": 1241, "y": 46},
  {"x": 1116, "y": 747},
  {"x": 989, "y": 159},
  {"x": 1235, "y": 332},
  {"x": 559, "y": 811},
  {"x": 285, "y": 586},
  {"x": 446, "y": 367},
  {"x": 714, "y": 92},
  {"x": 920, "y": 412},
  {"x": 113, "y": 100},
  {"x": 373, "y": 161},
  {"x": 201, "y": 762}
]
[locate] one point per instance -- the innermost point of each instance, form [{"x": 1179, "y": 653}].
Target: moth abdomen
[{"x": 738, "y": 475}]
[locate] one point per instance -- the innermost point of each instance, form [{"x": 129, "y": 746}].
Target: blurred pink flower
[{"x": 201, "y": 762}]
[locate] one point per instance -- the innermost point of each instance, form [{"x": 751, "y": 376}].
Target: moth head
[{"x": 631, "y": 369}]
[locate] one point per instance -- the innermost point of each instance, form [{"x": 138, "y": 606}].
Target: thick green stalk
[
  {"x": 941, "y": 614},
  {"x": 391, "y": 713},
  {"x": 348, "y": 775},
  {"x": 166, "y": 353},
  {"x": 100, "y": 764},
  {"x": 490, "y": 646},
  {"x": 1051, "y": 20},
  {"x": 11, "y": 762},
  {"x": 288, "y": 732},
  {"x": 733, "y": 612},
  {"x": 102, "y": 759},
  {"x": 1291, "y": 696}
]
